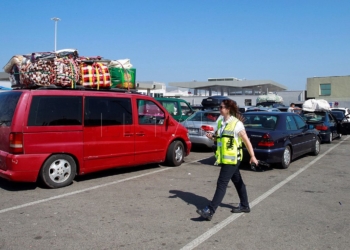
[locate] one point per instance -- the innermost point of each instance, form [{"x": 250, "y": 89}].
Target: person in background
[
  {"x": 292, "y": 107},
  {"x": 229, "y": 136}
]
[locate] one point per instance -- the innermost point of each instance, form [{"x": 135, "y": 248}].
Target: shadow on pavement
[{"x": 193, "y": 199}]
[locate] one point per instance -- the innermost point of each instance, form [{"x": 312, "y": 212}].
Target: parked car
[
  {"x": 213, "y": 102},
  {"x": 196, "y": 107},
  {"x": 279, "y": 137},
  {"x": 244, "y": 109},
  {"x": 55, "y": 134},
  {"x": 325, "y": 122},
  {"x": 346, "y": 112},
  {"x": 199, "y": 124},
  {"x": 178, "y": 108},
  {"x": 343, "y": 123}
]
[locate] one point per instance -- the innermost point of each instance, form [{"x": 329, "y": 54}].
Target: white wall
[{"x": 6, "y": 84}]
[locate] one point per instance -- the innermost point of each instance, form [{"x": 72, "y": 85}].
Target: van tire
[
  {"x": 175, "y": 154},
  {"x": 58, "y": 171}
]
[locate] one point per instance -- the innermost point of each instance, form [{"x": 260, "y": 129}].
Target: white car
[{"x": 346, "y": 112}]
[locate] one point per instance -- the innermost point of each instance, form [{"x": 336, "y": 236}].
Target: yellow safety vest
[{"x": 228, "y": 149}]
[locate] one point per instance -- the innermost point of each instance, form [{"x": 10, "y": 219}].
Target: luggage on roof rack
[
  {"x": 316, "y": 105},
  {"x": 66, "y": 69}
]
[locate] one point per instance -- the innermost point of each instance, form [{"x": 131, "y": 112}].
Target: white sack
[
  {"x": 316, "y": 105},
  {"x": 121, "y": 63}
]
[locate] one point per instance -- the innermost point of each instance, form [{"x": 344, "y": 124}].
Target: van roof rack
[{"x": 79, "y": 88}]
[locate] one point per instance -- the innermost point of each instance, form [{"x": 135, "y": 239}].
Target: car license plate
[
  {"x": 209, "y": 100},
  {"x": 193, "y": 130}
]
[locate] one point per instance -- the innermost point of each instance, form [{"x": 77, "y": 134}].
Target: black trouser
[{"x": 227, "y": 173}]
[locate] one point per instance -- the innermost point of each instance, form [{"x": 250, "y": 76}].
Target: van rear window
[
  {"x": 55, "y": 111},
  {"x": 8, "y": 104}
]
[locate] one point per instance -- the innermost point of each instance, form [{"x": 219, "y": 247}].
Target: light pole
[{"x": 55, "y": 19}]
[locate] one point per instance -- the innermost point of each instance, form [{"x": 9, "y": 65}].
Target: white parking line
[
  {"x": 196, "y": 242},
  {"x": 88, "y": 189}
]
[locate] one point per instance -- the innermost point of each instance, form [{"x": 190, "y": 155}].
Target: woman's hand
[{"x": 210, "y": 135}]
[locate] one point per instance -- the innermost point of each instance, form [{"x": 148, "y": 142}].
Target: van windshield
[{"x": 8, "y": 103}]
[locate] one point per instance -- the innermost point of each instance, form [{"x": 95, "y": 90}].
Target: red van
[{"x": 55, "y": 134}]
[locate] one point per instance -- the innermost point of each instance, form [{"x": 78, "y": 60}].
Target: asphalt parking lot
[{"x": 306, "y": 206}]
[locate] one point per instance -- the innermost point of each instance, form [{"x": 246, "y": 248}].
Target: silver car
[{"x": 199, "y": 123}]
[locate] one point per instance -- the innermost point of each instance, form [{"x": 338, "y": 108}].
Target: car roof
[{"x": 268, "y": 113}]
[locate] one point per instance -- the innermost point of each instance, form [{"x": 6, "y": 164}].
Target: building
[
  {"x": 243, "y": 91},
  {"x": 334, "y": 89}
]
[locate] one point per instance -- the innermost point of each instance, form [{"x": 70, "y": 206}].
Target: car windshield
[
  {"x": 313, "y": 116},
  {"x": 264, "y": 122},
  {"x": 204, "y": 116},
  {"x": 341, "y": 110},
  {"x": 338, "y": 114}
]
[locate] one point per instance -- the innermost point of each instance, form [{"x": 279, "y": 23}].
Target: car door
[
  {"x": 109, "y": 136},
  {"x": 307, "y": 137},
  {"x": 150, "y": 137},
  {"x": 333, "y": 125},
  {"x": 294, "y": 134}
]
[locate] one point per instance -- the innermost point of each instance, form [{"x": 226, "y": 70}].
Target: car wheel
[
  {"x": 287, "y": 156},
  {"x": 175, "y": 154},
  {"x": 58, "y": 171},
  {"x": 330, "y": 137},
  {"x": 317, "y": 147}
]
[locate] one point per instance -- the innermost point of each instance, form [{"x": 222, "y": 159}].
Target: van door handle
[
  {"x": 128, "y": 134},
  {"x": 140, "y": 134}
]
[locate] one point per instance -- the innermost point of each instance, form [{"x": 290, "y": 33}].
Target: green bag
[{"x": 123, "y": 78}]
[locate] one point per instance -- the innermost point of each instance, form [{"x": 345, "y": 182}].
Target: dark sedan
[
  {"x": 324, "y": 122},
  {"x": 279, "y": 137}
]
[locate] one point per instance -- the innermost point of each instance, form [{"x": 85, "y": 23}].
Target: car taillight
[
  {"x": 321, "y": 127},
  {"x": 266, "y": 141},
  {"x": 16, "y": 143},
  {"x": 207, "y": 128}
]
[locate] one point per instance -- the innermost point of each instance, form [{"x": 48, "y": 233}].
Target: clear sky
[{"x": 285, "y": 41}]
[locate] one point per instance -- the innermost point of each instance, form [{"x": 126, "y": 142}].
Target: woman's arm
[{"x": 249, "y": 147}]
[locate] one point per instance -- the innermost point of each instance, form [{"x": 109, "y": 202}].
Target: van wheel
[
  {"x": 58, "y": 171},
  {"x": 286, "y": 158},
  {"x": 317, "y": 147},
  {"x": 175, "y": 154}
]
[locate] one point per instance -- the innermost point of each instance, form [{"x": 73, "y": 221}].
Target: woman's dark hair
[{"x": 232, "y": 106}]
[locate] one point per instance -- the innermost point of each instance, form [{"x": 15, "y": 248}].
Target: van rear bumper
[{"x": 21, "y": 168}]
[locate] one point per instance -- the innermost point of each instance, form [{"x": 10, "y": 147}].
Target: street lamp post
[{"x": 55, "y": 19}]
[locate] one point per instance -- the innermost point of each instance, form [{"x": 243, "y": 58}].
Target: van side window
[
  {"x": 107, "y": 111},
  {"x": 185, "y": 109},
  {"x": 172, "y": 107},
  {"x": 55, "y": 111},
  {"x": 149, "y": 113},
  {"x": 8, "y": 104}
]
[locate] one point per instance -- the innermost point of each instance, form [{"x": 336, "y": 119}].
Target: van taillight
[
  {"x": 207, "y": 128},
  {"x": 321, "y": 127},
  {"x": 266, "y": 141},
  {"x": 16, "y": 143}
]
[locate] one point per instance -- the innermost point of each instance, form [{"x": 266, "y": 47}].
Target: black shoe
[
  {"x": 205, "y": 213},
  {"x": 240, "y": 209}
]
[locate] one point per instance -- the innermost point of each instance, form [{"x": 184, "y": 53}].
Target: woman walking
[{"x": 230, "y": 134}]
